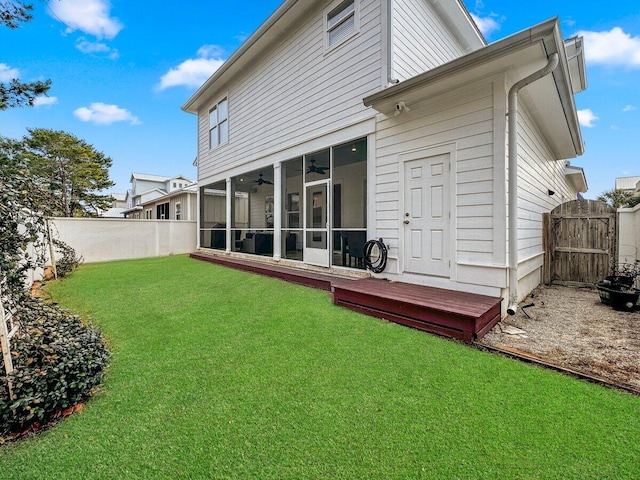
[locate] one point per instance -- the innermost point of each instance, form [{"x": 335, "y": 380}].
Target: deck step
[{"x": 460, "y": 315}]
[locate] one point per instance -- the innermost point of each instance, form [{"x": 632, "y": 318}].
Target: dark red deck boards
[
  {"x": 465, "y": 316},
  {"x": 461, "y": 315},
  {"x": 289, "y": 274}
]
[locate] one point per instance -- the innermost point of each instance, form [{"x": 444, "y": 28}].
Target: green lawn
[{"x": 218, "y": 373}]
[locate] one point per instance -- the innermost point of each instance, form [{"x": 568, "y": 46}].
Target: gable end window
[
  {"x": 341, "y": 23},
  {"x": 219, "y": 124}
]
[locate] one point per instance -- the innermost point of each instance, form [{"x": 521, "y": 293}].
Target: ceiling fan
[
  {"x": 316, "y": 169},
  {"x": 262, "y": 181}
]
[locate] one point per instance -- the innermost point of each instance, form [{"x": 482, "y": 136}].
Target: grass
[{"x": 218, "y": 373}]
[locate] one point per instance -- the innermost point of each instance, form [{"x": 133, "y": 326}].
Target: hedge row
[{"x": 58, "y": 360}]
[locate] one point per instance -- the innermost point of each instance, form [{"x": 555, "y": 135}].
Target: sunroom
[{"x": 310, "y": 209}]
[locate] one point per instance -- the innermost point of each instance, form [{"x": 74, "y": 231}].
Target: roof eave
[
  {"x": 547, "y": 33},
  {"x": 577, "y": 177},
  {"x": 464, "y": 63}
]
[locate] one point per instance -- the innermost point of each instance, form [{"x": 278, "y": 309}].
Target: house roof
[
  {"x": 627, "y": 183},
  {"x": 132, "y": 209},
  {"x": 286, "y": 18},
  {"x": 155, "y": 178},
  {"x": 519, "y": 55},
  {"x": 191, "y": 189}
]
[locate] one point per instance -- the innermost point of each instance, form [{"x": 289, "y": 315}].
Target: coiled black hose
[{"x": 375, "y": 255}]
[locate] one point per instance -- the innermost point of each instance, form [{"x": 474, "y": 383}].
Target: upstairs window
[
  {"x": 341, "y": 23},
  {"x": 218, "y": 124}
]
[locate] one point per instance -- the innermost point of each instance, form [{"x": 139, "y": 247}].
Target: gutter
[{"x": 552, "y": 63}]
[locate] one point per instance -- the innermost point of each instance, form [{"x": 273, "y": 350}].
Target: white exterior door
[
  {"x": 316, "y": 223},
  {"x": 426, "y": 216}
]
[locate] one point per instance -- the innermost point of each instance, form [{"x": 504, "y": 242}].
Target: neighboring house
[
  {"x": 341, "y": 121},
  {"x": 629, "y": 184},
  {"x": 161, "y": 198},
  {"x": 118, "y": 206}
]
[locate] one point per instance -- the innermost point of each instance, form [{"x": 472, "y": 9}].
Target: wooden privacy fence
[{"x": 580, "y": 242}]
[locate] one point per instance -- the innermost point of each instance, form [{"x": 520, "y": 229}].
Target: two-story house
[
  {"x": 161, "y": 198},
  {"x": 341, "y": 121}
]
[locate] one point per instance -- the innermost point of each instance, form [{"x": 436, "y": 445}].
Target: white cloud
[
  {"x": 44, "y": 101},
  {"x": 615, "y": 48},
  {"x": 104, "y": 114},
  {"x": 194, "y": 72},
  {"x": 85, "y": 46},
  {"x": 487, "y": 25},
  {"x": 7, "y": 73},
  {"x": 586, "y": 117},
  {"x": 89, "y": 16},
  {"x": 628, "y": 108},
  {"x": 211, "y": 51}
]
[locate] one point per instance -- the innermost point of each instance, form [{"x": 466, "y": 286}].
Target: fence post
[
  {"x": 5, "y": 336},
  {"x": 52, "y": 251}
]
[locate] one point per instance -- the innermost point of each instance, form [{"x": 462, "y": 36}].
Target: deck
[{"x": 460, "y": 315}]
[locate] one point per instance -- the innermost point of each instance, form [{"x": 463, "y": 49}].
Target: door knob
[{"x": 406, "y": 222}]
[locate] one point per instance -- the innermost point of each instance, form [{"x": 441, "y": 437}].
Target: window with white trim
[
  {"x": 147, "y": 214},
  {"x": 178, "y": 210},
  {"x": 219, "y": 124},
  {"x": 162, "y": 211},
  {"x": 341, "y": 23}
]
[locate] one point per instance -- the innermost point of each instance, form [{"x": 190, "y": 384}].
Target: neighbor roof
[
  {"x": 155, "y": 178},
  {"x": 627, "y": 183}
]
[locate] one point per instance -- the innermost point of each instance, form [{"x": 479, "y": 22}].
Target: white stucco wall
[
  {"x": 108, "y": 239},
  {"x": 629, "y": 234}
]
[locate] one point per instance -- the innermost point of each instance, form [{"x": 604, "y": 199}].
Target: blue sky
[{"x": 121, "y": 70}]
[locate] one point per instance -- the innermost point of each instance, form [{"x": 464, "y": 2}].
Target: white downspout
[
  {"x": 552, "y": 63},
  {"x": 390, "y": 78}
]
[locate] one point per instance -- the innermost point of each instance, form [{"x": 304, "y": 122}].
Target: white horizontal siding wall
[
  {"x": 296, "y": 92},
  {"x": 421, "y": 41},
  {"x": 538, "y": 172},
  {"x": 467, "y": 118}
]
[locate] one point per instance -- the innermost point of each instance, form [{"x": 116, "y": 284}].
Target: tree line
[{"x": 64, "y": 172}]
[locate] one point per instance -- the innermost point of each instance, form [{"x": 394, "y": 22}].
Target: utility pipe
[
  {"x": 552, "y": 63},
  {"x": 390, "y": 78}
]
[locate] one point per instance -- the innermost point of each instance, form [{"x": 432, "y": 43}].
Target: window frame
[
  {"x": 162, "y": 211},
  {"x": 178, "y": 210},
  {"x": 334, "y": 8},
  {"x": 216, "y": 129}
]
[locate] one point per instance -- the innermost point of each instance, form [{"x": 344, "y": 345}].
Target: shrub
[
  {"x": 69, "y": 261},
  {"x": 58, "y": 361}
]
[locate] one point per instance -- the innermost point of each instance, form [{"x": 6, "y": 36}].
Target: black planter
[{"x": 618, "y": 296}]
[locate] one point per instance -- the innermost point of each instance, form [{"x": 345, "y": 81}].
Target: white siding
[
  {"x": 466, "y": 119},
  {"x": 538, "y": 173},
  {"x": 296, "y": 92},
  {"x": 421, "y": 41},
  {"x": 629, "y": 234}
]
